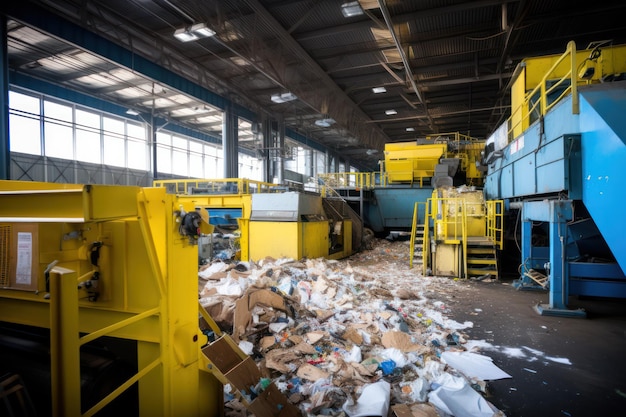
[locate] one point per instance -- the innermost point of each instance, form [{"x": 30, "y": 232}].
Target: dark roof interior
[{"x": 445, "y": 64}]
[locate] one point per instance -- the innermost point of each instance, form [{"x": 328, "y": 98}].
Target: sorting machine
[
  {"x": 99, "y": 303},
  {"x": 271, "y": 220},
  {"x": 558, "y": 163},
  {"x": 409, "y": 173},
  {"x": 99, "y": 308}
]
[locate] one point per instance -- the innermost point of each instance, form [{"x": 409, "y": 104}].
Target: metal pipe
[{"x": 383, "y": 8}]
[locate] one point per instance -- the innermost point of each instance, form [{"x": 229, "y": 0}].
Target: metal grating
[{"x": 5, "y": 243}]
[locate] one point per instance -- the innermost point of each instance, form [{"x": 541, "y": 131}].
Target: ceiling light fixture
[
  {"x": 390, "y": 112},
  {"x": 410, "y": 129},
  {"x": 283, "y": 98},
  {"x": 193, "y": 32},
  {"x": 352, "y": 8},
  {"x": 326, "y": 122},
  {"x": 132, "y": 112},
  {"x": 378, "y": 90},
  {"x": 201, "y": 30}
]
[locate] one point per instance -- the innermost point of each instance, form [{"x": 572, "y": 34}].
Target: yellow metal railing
[
  {"x": 411, "y": 170},
  {"x": 65, "y": 346},
  {"x": 527, "y": 109},
  {"x": 495, "y": 222},
  {"x": 426, "y": 250},
  {"x": 448, "y": 219},
  {"x": 363, "y": 180},
  {"x": 414, "y": 224},
  {"x": 456, "y": 220},
  {"x": 216, "y": 186},
  {"x": 464, "y": 236}
]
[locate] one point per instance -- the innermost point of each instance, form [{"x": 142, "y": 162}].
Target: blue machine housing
[{"x": 566, "y": 173}]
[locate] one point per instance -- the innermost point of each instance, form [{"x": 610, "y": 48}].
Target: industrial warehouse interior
[{"x": 277, "y": 208}]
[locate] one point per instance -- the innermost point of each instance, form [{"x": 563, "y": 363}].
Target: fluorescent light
[
  {"x": 352, "y": 8},
  {"x": 194, "y": 32},
  {"x": 200, "y": 29},
  {"x": 327, "y": 122},
  {"x": 184, "y": 35},
  {"x": 283, "y": 98},
  {"x": 378, "y": 90},
  {"x": 288, "y": 96},
  {"x": 132, "y": 112},
  {"x": 410, "y": 129},
  {"x": 390, "y": 112}
]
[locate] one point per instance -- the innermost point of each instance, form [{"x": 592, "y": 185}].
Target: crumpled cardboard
[
  {"x": 264, "y": 297},
  {"x": 401, "y": 341},
  {"x": 311, "y": 372},
  {"x": 280, "y": 359},
  {"x": 414, "y": 410}
]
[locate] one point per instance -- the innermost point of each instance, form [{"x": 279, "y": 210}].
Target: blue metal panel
[
  {"x": 524, "y": 181},
  {"x": 224, "y": 216},
  {"x": 392, "y": 207},
  {"x": 607, "y": 279},
  {"x": 603, "y": 162},
  {"x": 517, "y": 172}
]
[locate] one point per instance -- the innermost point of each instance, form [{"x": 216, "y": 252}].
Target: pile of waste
[{"x": 363, "y": 336}]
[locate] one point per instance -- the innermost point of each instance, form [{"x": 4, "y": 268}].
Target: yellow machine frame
[
  {"x": 147, "y": 290},
  {"x": 294, "y": 239},
  {"x": 540, "y": 82},
  {"x": 455, "y": 221},
  {"x": 414, "y": 163}
]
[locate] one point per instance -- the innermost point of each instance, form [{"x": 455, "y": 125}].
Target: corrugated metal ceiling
[{"x": 460, "y": 53}]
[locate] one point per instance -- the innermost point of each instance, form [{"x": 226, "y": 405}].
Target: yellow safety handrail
[
  {"x": 413, "y": 231},
  {"x": 495, "y": 222},
  {"x": 426, "y": 249},
  {"x": 464, "y": 236},
  {"x": 239, "y": 186},
  {"x": 416, "y": 222},
  {"x": 543, "y": 105}
]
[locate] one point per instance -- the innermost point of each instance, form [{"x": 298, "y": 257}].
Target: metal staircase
[
  {"x": 418, "y": 236},
  {"x": 481, "y": 258}
]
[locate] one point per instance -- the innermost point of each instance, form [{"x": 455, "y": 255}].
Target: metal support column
[
  {"x": 557, "y": 213},
  {"x": 266, "y": 133},
  {"x": 64, "y": 343},
  {"x": 153, "y": 146},
  {"x": 5, "y": 153},
  {"x": 528, "y": 260},
  {"x": 230, "y": 143},
  {"x": 280, "y": 169},
  {"x": 312, "y": 168}
]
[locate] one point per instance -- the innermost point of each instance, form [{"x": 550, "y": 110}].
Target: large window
[
  {"x": 57, "y": 130},
  {"x": 25, "y": 125},
  {"x": 187, "y": 157},
  {"x": 44, "y": 126}
]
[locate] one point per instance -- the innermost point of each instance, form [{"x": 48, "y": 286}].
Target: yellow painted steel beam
[
  {"x": 64, "y": 346},
  {"x": 40, "y": 202}
]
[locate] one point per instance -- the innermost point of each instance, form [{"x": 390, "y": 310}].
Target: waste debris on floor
[{"x": 362, "y": 336}]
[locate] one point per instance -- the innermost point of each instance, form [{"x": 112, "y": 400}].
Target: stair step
[
  {"x": 471, "y": 249},
  {"x": 484, "y": 261},
  {"x": 479, "y": 271}
]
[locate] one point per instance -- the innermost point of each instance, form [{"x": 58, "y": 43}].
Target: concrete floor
[{"x": 559, "y": 366}]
